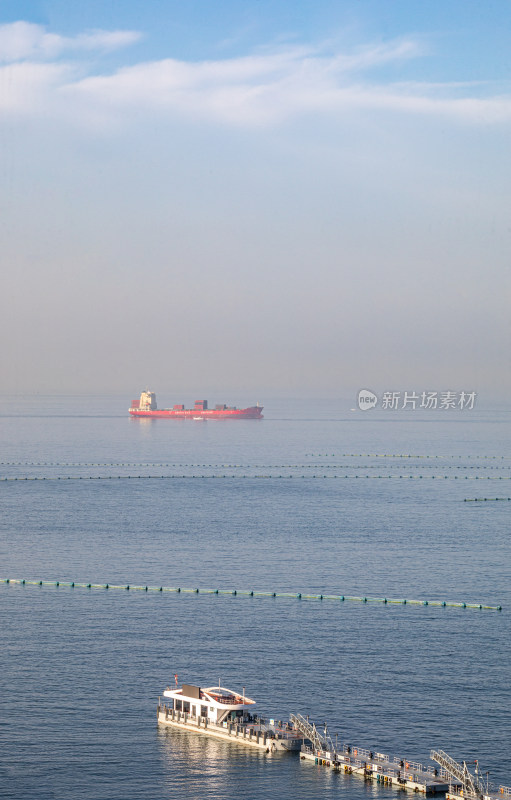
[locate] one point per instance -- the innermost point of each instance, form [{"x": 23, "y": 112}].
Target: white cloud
[
  {"x": 25, "y": 40},
  {"x": 28, "y": 88},
  {"x": 269, "y": 88},
  {"x": 376, "y": 55},
  {"x": 264, "y": 88}
]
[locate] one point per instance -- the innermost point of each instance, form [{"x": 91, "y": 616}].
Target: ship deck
[{"x": 261, "y": 735}]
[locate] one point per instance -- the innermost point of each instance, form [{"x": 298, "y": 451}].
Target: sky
[{"x": 243, "y": 197}]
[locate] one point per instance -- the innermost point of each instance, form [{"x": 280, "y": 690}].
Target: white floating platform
[
  {"x": 500, "y": 793},
  {"x": 270, "y": 738},
  {"x": 378, "y": 767}
]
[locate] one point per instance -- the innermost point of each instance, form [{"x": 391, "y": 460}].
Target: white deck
[{"x": 267, "y": 737}]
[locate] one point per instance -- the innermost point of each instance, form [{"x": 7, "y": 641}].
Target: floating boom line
[{"x": 252, "y": 593}]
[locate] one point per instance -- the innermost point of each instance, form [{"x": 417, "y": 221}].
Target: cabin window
[
  {"x": 204, "y": 711},
  {"x": 179, "y": 705},
  {"x": 186, "y": 706},
  {"x": 194, "y": 711}
]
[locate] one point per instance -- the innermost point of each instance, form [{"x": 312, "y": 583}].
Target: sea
[{"x": 315, "y": 499}]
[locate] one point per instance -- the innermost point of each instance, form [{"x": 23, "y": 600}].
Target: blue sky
[{"x": 251, "y": 197}]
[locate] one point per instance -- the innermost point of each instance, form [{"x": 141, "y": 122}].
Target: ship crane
[
  {"x": 310, "y": 732},
  {"x": 473, "y": 787}
]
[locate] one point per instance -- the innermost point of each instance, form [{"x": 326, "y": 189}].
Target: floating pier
[
  {"x": 233, "y": 722},
  {"x": 255, "y": 735},
  {"x": 260, "y": 734},
  {"x": 397, "y": 773}
]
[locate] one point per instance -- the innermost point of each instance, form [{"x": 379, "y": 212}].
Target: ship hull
[{"x": 254, "y": 412}]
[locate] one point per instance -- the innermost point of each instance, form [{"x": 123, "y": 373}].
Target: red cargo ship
[{"x": 146, "y": 407}]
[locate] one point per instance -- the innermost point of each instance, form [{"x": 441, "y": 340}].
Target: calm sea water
[{"x": 300, "y": 502}]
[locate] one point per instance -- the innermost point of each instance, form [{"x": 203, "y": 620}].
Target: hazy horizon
[{"x": 236, "y": 199}]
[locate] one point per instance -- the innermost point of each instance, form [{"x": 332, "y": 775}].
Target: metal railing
[
  {"x": 229, "y": 701},
  {"x": 252, "y": 727},
  {"x": 472, "y": 786},
  {"x": 309, "y": 730}
]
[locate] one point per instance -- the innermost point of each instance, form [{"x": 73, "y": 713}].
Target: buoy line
[
  {"x": 251, "y": 593},
  {"x": 485, "y": 499},
  {"x": 397, "y": 455},
  {"x": 145, "y": 465},
  {"x": 22, "y": 478}
]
